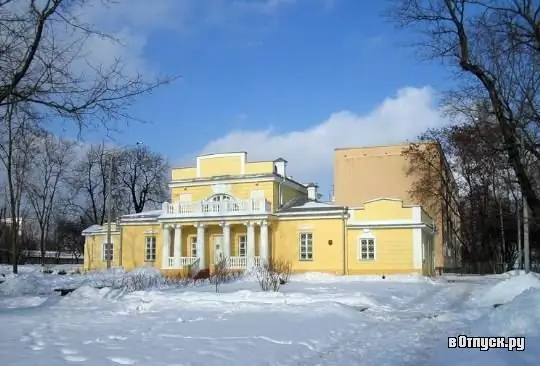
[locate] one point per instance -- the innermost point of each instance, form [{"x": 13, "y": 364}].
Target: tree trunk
[{"x": 42, "y": 246}]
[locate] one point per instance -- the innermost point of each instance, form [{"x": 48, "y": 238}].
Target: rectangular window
[
  {"x": 306, "y": 246},
  {"x": 366, "y": 249},
  {"x": 242, "y": 246},
  {"x": 193, "y": 246},
  {"x": 107, "y": 250},
  {"x": 150, "y": 249}
]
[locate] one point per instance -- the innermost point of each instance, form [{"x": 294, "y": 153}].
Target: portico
[{"x": 244, "y": 244}]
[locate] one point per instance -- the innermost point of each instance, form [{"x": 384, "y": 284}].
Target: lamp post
[
  {"x": 526, "y": 244},
  {"x": 109, "y": 245}
]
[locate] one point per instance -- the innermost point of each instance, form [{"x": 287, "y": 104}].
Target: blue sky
[{"x": 291, "y": 78}]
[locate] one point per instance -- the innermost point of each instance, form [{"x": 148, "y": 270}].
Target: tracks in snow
[{"x": 400, "y": 336}]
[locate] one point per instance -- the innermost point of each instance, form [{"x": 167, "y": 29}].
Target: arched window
[
  {"x": 221, "y": 198},
  {"x": 216, "y": 203}
]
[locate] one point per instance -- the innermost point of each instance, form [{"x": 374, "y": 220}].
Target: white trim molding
[
  {"x": 337, "y": 212},
  {"x": 242, "y": 155},
  {"x": 417, "y": 248},
  {"x": 417, "y": 214},
  {"x": 311, "y": 216},
  {"x": 249, "y": 179},
  {"x": 385, "y": 199},
  {"x": 139, "y": 219},
  {"x": 384, "y": 223},
  {"x": 102, "y": 233}
]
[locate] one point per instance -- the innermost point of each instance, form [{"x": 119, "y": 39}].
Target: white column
[
  {"x": 263, "y": 244},
  {"x": 201, "y": 246},
  {"x": 177, "y": 245},
  {"x": 166, "y": 244},
  {"x": 226, "y": 240},
  {"x": 250, "y": 252}
]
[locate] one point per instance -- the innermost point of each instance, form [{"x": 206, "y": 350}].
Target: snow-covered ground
[{"x": 316, "y": 319}]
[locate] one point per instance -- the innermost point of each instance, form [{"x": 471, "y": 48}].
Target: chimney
[
  {"x": 312, "y": 191},
  {"x": 280, "y": 167}
]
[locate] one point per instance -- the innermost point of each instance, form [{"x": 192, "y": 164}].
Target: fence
[
  {"x": 51, "y": 257},
  {"x": 484, "y": 268}
]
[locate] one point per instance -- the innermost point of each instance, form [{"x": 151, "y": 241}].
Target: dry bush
[
  {"x": 139, "y": 281},
  {"x": 182, "y": 277},
  {"x": 274, "y": 274},
  {"x": 220, "y": 273}
]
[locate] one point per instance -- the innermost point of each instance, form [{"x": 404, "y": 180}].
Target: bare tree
[
  {"x": 48, "y": 169},
  {"x": 45, "y": 72},
  {"x": 89, "y": 181},
  {"x": 139, "y": 177},
  {"x": 495, "y": 44},
  {"x": 17, "y": 149},
  {"x": 68, "y": 236},
  {"x": 486, "y": 191},
  {"x": 144, "y": 175},
  {"x": 220, "y": 272}
]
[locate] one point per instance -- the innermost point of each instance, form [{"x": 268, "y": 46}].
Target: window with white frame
[
  {"x": 242, "y": 246},
  {"x": 104, "y": 251},
  {"x": 218, "y": 200},
  {"x": 366, "y": 249},
  {"x": 193, "y": 246},
  {"x": 306, "y": 246},
  {"x": 221, "y": 198},
  {"x": 150, "y": 249}
]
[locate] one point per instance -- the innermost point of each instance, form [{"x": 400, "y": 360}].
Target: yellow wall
[
  {"x": 393, "y": 252},
  {"x": 260, "y": 167},
  {"x": 134, "y": 245},
  {"x": 290, "y": 193},
  {"x": 223, "y": 164},
  {"x": 184, "y": 173},
  {"x": 238, "y": 190},
  {"x": 326, "y": 258},
  {"x": 93, "y": 251},
  {"x": 384, "y": 209}
]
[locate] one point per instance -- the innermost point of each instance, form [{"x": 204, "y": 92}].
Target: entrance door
[{"x": 218, "y": 248}]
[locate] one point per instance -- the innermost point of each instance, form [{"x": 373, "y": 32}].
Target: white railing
[
  {"x": 173, "y": 262},
  {"x": 187, "y": 261},
  {"x": 242, "y": 262},
  {"x": 237, "y": 262},
  {"x": 232, "y": 262},
  {"x": 211, "y": 208}
]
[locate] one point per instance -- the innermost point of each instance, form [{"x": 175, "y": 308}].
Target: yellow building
[
  {"x": 253, "y": 212},
  {"x": 390, "y": 175}
]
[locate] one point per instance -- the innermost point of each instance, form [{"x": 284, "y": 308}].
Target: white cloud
[
  {"x": 130, "y": 24},
  {"x": 310, "y": 152}
]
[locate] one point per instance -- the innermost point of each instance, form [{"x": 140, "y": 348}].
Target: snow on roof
[
  {"x": 318, "y": 204},
  {"x": 144, "y": 214},
  {"x": 140, "y": 215},
  {"x": 92, "y": 229},
  {"x": 303, "y": 203}
]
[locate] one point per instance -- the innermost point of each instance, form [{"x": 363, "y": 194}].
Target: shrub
[
  {"x": 220, "y": 273},
  {"x": 140, "y": 279},
  {"x": 273, "y": 274},
  {"x": 180, "y": 278}
]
